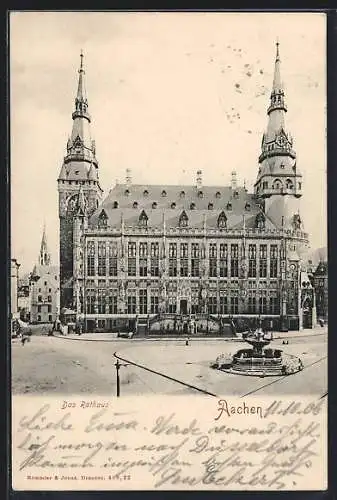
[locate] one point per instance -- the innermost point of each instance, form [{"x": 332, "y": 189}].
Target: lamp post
[{"x": 118, "y": 366}]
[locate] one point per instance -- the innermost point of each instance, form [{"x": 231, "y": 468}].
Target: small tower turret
[
  {"x": 279, "y": 181},
  {"x": 44, "y": 255}
]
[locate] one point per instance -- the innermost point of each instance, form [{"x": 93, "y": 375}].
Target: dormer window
[
  {"x": 163, "y": 193},
  {"x": 260, "y": 221},
  {"x": 297, "y": 221},
  {"x": 183, "y": 219},
  {"x": 115, "y": 204},
  {"x": 210, "y": 206},
  {"x": 277, "y": 184},
  {"x": 229, "y": 206},
  {"x": 127, "y": 192},
  {"x": 182, "y": 194},
  {"x": 247, "y": 207},
  {"x": 143, "y": 218},
  {"x": 102, "y": 219},
  {"x": 282, "y": 165},
  {"x": 173, "y": 204},
  {"x": 218, "y": 194},
  {"x": 146, "y": 193},
  {"x": 222, "y": 220},
  {"x": 192, "y": 206},
  {"x": 154, "y": 204},
  {"x": 135, "y": 204},
  {"x": 236, "y": 194},
  {"x": 200, "y": 194}
]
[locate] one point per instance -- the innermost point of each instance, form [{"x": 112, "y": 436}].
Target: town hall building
[{"x": 179, "y": 258}]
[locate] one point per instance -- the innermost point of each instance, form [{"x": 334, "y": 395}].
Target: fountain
[{"x": 259, "y": 360}]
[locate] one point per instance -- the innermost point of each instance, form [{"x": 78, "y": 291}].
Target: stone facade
[{"x": 186, "y": 258}]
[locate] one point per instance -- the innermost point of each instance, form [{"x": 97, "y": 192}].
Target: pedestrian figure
[
  {"x": 187, "y": 341},
  {"x": 24, "y": 339}
]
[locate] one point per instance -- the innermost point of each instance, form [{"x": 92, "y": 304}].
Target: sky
[{"x": 169, "y": 94}]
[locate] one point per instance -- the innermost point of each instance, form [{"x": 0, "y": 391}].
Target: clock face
[
  {"x": 292, "y": 266},
  {"x": 281, "y": 141}
]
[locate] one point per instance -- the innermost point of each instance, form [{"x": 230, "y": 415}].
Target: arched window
[
  {"x": 236, "y": 194},
  {"x": 143, "y": 218},
  {"x": 115, "y": 204},
  {"x": 154, "y": 204},
  {"x": 183, "y": 219},
  {"x": 135, "y": 204},
  {"x": 289, "y": 184},
  {"x": 260, "y": 221},
  {"x": 222, "y": 220},
  {"x": 145, "y": 193},
  {"x": 218, "y": 194},
  {"x": 163, "y": 193},
  {"x": 277, "y": 184},
  {"x": 210, "y": 206},
  {"x": 173, "y": 204},
  {"x": 200, "y": 194},
  {"x": 102, "y": 219},
  {"x": 192, "y": 206},
  {"x": 229, "y": 206},
  {"x": 127, "y": 192},
  {"x": 182, "y": 194}
]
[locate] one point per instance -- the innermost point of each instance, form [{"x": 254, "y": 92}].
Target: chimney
[
  {"x": 233, "y": 180},
  {"x": 128, "y": 179},
  {"x": 199, "y": 179}
]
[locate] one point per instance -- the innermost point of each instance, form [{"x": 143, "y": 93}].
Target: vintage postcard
[{"x": 169, "y": 274}]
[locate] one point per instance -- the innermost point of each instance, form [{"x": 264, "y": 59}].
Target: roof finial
[
  {"x": 277, "y": 49},
  {"x": 81, "y": 66}
]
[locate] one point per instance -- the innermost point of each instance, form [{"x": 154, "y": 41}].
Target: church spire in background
[{"x": 44, "y": 255}]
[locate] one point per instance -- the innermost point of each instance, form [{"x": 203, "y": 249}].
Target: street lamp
[{"x": 118, "y": 366}]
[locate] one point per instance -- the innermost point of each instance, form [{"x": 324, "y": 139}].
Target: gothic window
[
  {"x": 273, "y": 261},
  {"x": 192, "y": 206},
  {"x": 102, "y": 219},
  {"x": 143, "y": 301},
  {"x": 289, "y": 184},
  {"x": 172, "y": 259},
  {"x": 101, "y": 258},
  {"x": 154, "y": 204},
  {"x": 91, "y": 258},
  {"x": 263, "y": 261},
  {"x": 143, "y": 218},
  {"x": 277, "y": 184},
  {"x": 183, "y": 219},
  {"x": 210, "y": 206},
  {"x": 112, "y": 260},
  {"x": 235, "y": 260},
  {"x": 222, "y": 220},
  {"x": 252, "y": 261},
  {"x": 229, "y": 206},
  {"x": 183, "y": 259},
  {"x": 143, "y": 259},
  {"x": 260, "y": 221},
  {"x": 135, "y": 204},
  {"x": 154, "y": 304},
  {"x": 132, "y": 258},
  {"x": 213, "y": 260},
  {"x": 212, "y": 303},
  {"x": 155, "y": 259},
  {"x": 223, "y": 304},
  {"x": 115, "y": 204},
  {"x": 112, "y": 302},
  {"x": 163, "y": 193},
  {"x": 195, "y": 254},
  {"x": 131, "y": 307},
  {"x": 251, "y": 305},
  {"x": 223, "y": 261},
  {"x": 234, "y": 305}
]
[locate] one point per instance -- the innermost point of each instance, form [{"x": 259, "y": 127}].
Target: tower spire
[
  {"x": 44, "y": 255},
  {"x": 81, "y": 101}
]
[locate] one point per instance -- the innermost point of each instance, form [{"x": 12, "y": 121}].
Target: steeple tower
[
  {"x": 80, "y": 168},
  {"x": 279, "y": 181},
  {"x": 44, "y": 255}
]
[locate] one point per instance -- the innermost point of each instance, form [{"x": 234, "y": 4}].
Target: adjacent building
[
  {"x": 14, "y": 289},
  {"x": 184, "y": 258},
  {"x": 320, "y": 278},
  {"x": 44, "y": 287}
]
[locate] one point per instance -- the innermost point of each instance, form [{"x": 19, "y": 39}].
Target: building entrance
[{"x": 183, "y": 306}]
